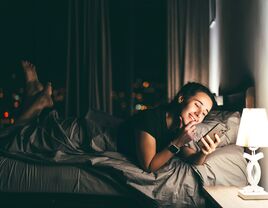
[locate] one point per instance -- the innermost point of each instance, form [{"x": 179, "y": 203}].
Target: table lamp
[{"x": 252, "y": 133}]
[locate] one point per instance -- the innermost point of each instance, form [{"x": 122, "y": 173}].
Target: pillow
[
  {"x": 228, "y": 119},
  {"x": 102, "y": 130},
  {"x": 225, "y": 166}
]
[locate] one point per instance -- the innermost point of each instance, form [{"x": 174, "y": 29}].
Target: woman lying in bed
[
  {"x": 151, "y": 137},
  {"x": 154, "y": 136}
]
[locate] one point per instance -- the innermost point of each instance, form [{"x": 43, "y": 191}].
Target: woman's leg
[
  {"x": 33, "y": 86},
  {"x": 43, "y": 100}
]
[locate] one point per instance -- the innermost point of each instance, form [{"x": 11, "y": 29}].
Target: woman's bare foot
[
  {"x": 33, "y": 86},
  {"x": 43, "y": 100}
]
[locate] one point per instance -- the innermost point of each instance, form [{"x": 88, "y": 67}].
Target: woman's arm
[
  {"x": 151, "y": 160},
  {"x": 198, "y": 158}
]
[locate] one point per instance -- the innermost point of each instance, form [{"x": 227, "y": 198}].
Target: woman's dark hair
[{"x": 189, "y": 90}]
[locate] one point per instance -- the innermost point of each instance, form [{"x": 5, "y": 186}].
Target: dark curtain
[
  {"x": 89, "y": 79},
  {"x": 187, "y": 43}
]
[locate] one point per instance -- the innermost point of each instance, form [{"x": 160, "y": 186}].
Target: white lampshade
[{"x": 253, "y": 129}]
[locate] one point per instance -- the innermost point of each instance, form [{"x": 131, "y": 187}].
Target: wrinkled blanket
[{"x": 92, "y": 141}]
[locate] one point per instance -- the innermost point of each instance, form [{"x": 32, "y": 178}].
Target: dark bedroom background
[{"x": 38, "y": 31}]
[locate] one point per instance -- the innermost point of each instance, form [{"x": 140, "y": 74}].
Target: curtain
[
  {"x": 89, "y": 78},
  {"x": 187, "y": 43}
]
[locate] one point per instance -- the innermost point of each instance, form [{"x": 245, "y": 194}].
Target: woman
[
  {"x": 151, "y": 137},
  {"x": 154, "y": 136}
]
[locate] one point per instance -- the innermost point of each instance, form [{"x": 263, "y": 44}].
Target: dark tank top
[{"x": 152, "y": 121}]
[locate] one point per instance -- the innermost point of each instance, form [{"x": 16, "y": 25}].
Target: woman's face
[{"x": 196, "y": 108}]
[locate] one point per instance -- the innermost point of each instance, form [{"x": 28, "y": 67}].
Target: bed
[{"x": 65, "y": 175}]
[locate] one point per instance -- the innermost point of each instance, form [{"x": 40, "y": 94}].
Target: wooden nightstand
[{"x": 226, "y": 197}]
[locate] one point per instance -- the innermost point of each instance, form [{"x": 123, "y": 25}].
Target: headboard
[
  {"x": 239, "y": 100},
  {"x": 250, "y": 98}
]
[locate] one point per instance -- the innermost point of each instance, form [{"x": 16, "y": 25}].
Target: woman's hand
[
  {"x": 208, "y": 145},
  {"x": 187, "y": 134}
]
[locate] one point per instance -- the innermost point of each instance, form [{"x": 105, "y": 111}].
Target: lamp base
[{"x": 253, "y": 192}]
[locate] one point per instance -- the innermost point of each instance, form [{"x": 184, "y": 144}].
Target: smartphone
[{"x": 218, "y": 129}]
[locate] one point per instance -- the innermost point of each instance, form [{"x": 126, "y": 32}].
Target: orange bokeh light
[
  {"x": 145, "y": 84},
  {"x": 6, "y": 114}
]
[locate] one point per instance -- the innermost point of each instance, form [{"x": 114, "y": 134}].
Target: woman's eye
[{"x": 196, "y": 105}]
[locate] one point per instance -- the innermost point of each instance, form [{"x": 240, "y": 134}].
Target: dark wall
[{"x": 236, "y": 24}]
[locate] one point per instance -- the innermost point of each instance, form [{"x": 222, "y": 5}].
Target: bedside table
[{"x": 226, "y": 197}]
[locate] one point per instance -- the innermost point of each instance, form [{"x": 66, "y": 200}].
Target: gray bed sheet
[
  {"x": 18, "y": 175},
  {"x": 54, "y": 155},
  {"x": 109, "y": 173}
]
